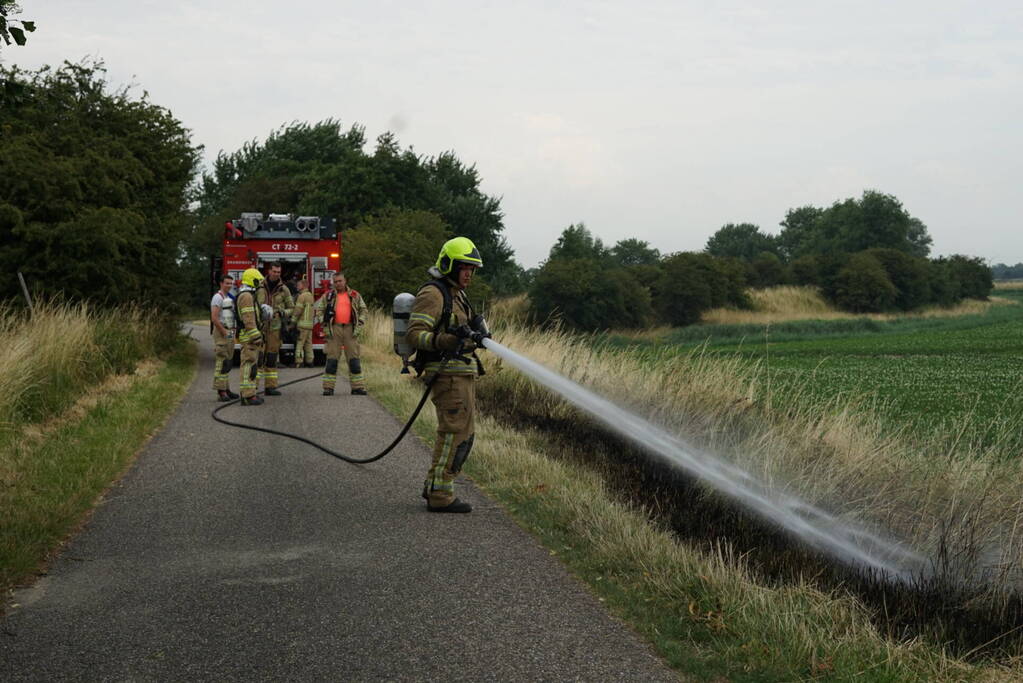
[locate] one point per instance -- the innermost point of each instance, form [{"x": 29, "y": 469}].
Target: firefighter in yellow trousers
[
  {"x": 344, "y": 314},
  {"x": 304, "y": 320},
  {"x": 249, "y": 336},
  {"x": 275, "y": 294},
  {"x": 440, "y": 331}
]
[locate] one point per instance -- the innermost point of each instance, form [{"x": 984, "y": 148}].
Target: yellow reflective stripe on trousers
[{"x": 446, "y": 449}]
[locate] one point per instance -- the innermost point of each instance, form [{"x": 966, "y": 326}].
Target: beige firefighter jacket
[
  {"x": 426, "y": 311},
  {"x": 303, "y": 313},
  {"x": 280, "y": 300},
  {"x": 248, "y": 316}
]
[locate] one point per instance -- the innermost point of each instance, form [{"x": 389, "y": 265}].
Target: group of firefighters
[
  {"x": 258, "y": 312},
  {"x": 442, "y": 329}
]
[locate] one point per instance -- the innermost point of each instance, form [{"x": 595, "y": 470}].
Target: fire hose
[
  {"x": 402, "y": 306},
  {"x": 328, "y": 451}
]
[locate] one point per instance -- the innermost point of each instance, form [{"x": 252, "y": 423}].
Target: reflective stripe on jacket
[{"x": 303, "y": 312}]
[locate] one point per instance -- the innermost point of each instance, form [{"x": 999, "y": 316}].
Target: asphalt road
[{"x": 230, "y": 555}]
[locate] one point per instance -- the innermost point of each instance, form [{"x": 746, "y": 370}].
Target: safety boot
[
  {"x": 223, "y": 396},
  {"x": 271, "y": 392},
  {"x": 251, "y": 401},
  {"x": 328, "y": 392},
  {"x": 230, "y": 394},
  {"x": 454, "y": 506},
  {"x": 358, "y": 392}
]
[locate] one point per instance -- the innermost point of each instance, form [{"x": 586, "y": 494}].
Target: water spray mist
[{"x": 818, "y": 528}]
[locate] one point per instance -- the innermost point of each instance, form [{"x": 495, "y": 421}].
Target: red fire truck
[{"x": 304, "y": 246}]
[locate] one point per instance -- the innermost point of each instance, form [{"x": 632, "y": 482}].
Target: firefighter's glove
[
  {"x": 457, "y": 340},
  {"x": 466, "y": 333}
]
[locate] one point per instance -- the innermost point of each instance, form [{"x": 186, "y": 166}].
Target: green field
[{"x": 958, "y": 377}]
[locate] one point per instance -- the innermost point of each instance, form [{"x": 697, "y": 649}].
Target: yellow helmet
[
  {"x": 458, "y": 250},
  {"x": 252, "y": 277}
]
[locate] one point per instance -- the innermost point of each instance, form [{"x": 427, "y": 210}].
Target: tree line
[
  {"x": 1000, "y": 271},
  {"x": 865, "y": 255},
  {"x": 101, "y": 198},
  {"x": 394, "y": 207},
  {"x": 93, "y": 188}
]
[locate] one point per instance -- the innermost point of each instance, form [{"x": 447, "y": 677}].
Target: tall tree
[
  {"x": 742, "y": 241},
  {"x": 800, "y": 234},
  {"x": 321, "y": 169},
  {"x": 875, "y": 220},
  {"x": 634, "y": 252},
  {"x": 577, "y": 242},
  {"x": 92, "y": 188}
]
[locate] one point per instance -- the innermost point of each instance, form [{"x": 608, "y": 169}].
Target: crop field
[{"x": 958, "y": 377}]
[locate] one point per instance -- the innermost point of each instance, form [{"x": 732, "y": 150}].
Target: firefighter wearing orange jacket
[
  {"x": 275, "y": 294},
  {"x": 249, "y": 336},
  {"x": 344, "y": 314},
  {"x": 439, "y": 329}
]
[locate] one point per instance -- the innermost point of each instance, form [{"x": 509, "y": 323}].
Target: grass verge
[
  {"x": 51, "y": 475},
  {"x": 703, "y": 610}
]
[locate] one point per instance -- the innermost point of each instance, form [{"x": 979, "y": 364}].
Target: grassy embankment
[
  {"x": 82, "y": 390},
  {"x": 704, "y": 600}
]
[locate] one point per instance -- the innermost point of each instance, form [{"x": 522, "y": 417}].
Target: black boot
[
  {"x": 454, "y": 506},
  {"x": 271, "y": 392},
  {"x": 254, "y": 401},
  {"x": 224, "y": 396},
  {"x": 358, "y": 392},
  {"x": 231, "y": 394},
  {"x": 328, "y": 392}
]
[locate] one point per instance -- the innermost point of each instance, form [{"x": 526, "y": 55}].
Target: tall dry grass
[
  {"x": 50, "y": 358},
  {"x": 787, "y": 302},
  {"x": 841, "y": 455}
]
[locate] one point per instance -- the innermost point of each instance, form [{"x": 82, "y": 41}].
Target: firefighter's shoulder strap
[
  {"x": 445, "y": 313},
  {"x": 420, "y": 359},
  {"x": 443, "y": 322}
]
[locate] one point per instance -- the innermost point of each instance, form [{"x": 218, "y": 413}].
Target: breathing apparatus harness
[{"x": 476, "y": 332}]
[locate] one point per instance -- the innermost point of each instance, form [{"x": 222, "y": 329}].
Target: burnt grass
[{"x": 967, "y": 622}]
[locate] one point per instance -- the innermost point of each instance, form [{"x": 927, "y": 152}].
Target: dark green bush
[{"x": 862, "y": 286}]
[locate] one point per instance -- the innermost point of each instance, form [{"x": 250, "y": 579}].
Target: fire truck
[{"x": 304, "y": 246}]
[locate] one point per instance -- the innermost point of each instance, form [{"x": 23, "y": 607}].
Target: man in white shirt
[{"x": 222, "y": 317}]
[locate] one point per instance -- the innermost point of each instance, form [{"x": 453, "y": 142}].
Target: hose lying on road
[{"x": 328, "y": 451}]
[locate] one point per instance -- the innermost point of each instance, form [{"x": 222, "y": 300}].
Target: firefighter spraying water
[{"x": 437, "y": 333}]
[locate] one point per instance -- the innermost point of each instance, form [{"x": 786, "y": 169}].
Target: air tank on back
[{"x": 401, "y": 311}]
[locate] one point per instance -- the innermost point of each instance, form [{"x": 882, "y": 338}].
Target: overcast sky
[{"x": 660, "y": 121}]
